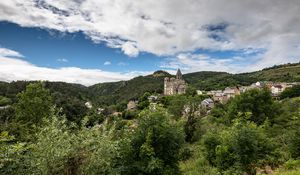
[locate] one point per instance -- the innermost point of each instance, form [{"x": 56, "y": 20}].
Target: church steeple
[{"x": 178, "y": 74}]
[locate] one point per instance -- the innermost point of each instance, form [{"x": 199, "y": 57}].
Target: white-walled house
[
  {"x": 208, "y": 103},
  {"x": 277, "y": 89}
]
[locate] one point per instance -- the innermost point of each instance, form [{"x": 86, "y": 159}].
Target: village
[{"x": 177, "y": 85}]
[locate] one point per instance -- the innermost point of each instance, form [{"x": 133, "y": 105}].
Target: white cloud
[
  {"x": 12, "y": 69},
  {"x": 130, "y": 49},
  {"x": 62, "y": 60},
  {"x": 171, "y": 27},
  {"x": 107, "y": 63},
  {"x": 199, "y": 62},
  {"x": 9, "y": 53}
]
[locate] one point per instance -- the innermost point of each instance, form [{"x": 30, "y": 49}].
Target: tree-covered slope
[
  {"x": 67, "y": 89},
  {"x": 111, "y": 93},
  {"x": 283, "y": 73},
  {"x": 115, "y": 92},
  {"x": 215, "y": 80},
  {"x": 220, "y": 80}
]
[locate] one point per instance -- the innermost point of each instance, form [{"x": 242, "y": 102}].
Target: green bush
[
  {"x": 175, "y": 104},
  {"x": 143, "y": 101},
  {"x": 11, "y": 154},
  {"x": 294, "y": 144},
  {"x": 128, "y": 114},
  {"x": 291, "y": 92},
  {"x": 241, "y": 147},
  {"x": 59, "y": 150},
  {"x": 34, "y": 104},
  {"x": 197, "y": 163},
  {"x": 257, "y": 102},
  {"x": 93, "y": 118},
  {"x": 4, "y": 101},
  {"x": 155, "y": 144},
  {"x": 291, "y": 164}
]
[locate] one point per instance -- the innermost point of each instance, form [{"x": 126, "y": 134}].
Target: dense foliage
[
  {"x": 291, "y": 92},
  {"x": 239, "y": 148},
  {"x": 258, "y": 103},
  {"x": 156, "y": 143},
  {"x": 150, "y": 144}
]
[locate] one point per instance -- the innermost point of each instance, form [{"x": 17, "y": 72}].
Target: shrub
[
  {"x": 155, "y": 144},
  {"x": 11, "y": 154},
  {"x": 291, "y": 92},
  {"x": 257, "y": 102},
  {"x": 59, "y": 150},
  {"x": 5, "y": 101},
  {"x": 241, "y": 147},
  {"x": 294, "y": 144}
]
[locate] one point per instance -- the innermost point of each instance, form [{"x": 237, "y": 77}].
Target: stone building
[
  {"x": 173, "y": 86},
  {"x": 132, "y": 105}
]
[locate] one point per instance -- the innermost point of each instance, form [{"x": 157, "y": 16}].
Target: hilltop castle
[{"x": 173, "y": 86}]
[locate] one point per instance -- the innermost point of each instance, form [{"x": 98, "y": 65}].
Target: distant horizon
[
  {"x": 87, "y": 42},
  {"x": 173, "y": 74}
]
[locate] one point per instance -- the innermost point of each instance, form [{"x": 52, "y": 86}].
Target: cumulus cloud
[
  {"x": 9, "y": 53},
  {"x": 130, "y": 49},
  {"x": 200, "y": 62},
  {"x": 171, "y": 27},
  {"x": 12, "y": 69},
  {"x": 107, "y": 63}
]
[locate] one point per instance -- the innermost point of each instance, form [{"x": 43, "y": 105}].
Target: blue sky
[
  {"x": 94, "y": 41},
  {"x": 54, "y": 49}
]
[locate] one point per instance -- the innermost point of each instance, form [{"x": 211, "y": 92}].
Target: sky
[{"x": 94, "y": 41}]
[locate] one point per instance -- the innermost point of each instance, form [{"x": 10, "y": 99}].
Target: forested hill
[
  {"x": 220, "y": 80},
  {"x": 206, "y": 80},
  {"x": 115, "y": 92},
  {"x": 110, "y": 93}
]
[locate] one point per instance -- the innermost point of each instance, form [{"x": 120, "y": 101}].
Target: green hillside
[
  {"x": 220, "y": 80},
  {"x": 216, "y": 80},
  {"x": 66, "y": 89},
  {"x": 111, "y": 93},
  {"x": 286, "y": 72},
  {"x": 115, "y": 92}
]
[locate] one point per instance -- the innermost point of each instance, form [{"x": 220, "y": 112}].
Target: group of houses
[
  {"x": 223, "y": 96},
  {"x": 173, "y": 86}
]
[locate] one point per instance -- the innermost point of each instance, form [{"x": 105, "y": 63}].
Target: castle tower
[
  {"x": 173, "y": 86},
  {"x": 178, "y": 74}
]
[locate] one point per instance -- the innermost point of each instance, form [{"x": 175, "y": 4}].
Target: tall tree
[
  {"x": 156, "y": 143},
  {"x": 258, "y": 102},
  {"x": 33, "y": 105}
]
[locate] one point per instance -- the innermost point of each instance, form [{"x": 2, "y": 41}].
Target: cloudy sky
[{"x": 91, "y": 41}]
